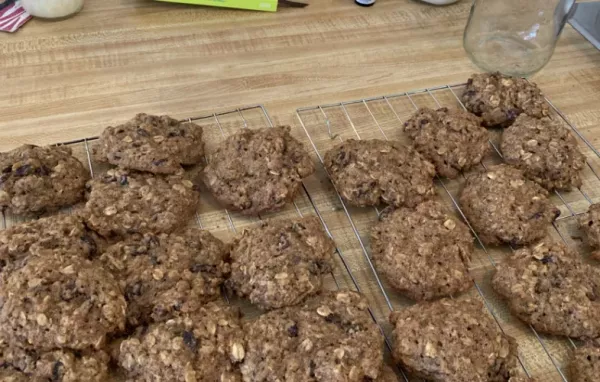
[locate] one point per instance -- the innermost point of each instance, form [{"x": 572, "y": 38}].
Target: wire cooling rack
[
  {"x": 542, "y": 356},
  {"x": 221, "y": 222}
]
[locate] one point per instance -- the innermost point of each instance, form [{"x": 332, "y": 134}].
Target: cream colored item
[{"x": 52, "y": 9}]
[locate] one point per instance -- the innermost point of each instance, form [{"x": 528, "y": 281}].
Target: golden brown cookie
[
  {"x": 423, "y": 252},
  {"x": 281, "y": 263},
  {"x": 453, "y": 341},
  {"x": 122, "y": 203},
  {"x": 34, "y": 179},
  {"x": 500, "y": 99},
  {"x": 373, "y": 172},
  {"x": 255, "y": 171},
  {"x": 167, "y": 274},
  {"x": 331, "y": 337},
  {"x": 548, "y": 286},
  {"x": 505, "y": 207},
  {"x": 157, "y": 144},
  {"x": 545, "y": 151},
  {"x": 453, "y": 140},
  {"x": 204, "y": 346},
  {"x": 57, "y": 300}
]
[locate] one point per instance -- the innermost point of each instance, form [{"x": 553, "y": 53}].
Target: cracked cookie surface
[
  {"x": 281, "y": 263},
  {"x": 167, "y": 274},
  {"x": 500, "y": 99},
  {"x": 548, "y": 286},
  {"x": 122, "y": 203},
  {"x": 503, "y": 206},
  {"x": 373, "y": 172},
  {"x": 545, "y": 151},
  {"x": 256, "y": 171},
  {"x": 423, "y": 252},
  {"x": 331, "y": 337},
  {"x": 453, "y": 140},
  {"x": 157, "y": 144},
  {"x": 35, "y": 179}
]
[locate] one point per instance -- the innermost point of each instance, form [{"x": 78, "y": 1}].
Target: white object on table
[{"x": 52, "y": 9}]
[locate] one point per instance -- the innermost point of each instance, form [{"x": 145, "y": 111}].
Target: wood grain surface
[{"x": 66, "y": 80}]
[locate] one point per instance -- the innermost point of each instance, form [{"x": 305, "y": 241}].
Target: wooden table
[{"x": 66, "y": 80}]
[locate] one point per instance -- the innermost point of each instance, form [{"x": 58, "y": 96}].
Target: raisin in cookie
[
  {"x": 58, "y": 300},
  {"x": 34, "y": 180},
  {"x": 453, "y": 140},
  {"x": 453, "y": 341},
  {"x": 205, "y": 346},
  {"x": 151, "y": 143},
  {"x": 371, "y": 172},
  {"x": 423, "y": 252},
  {"x": 257, "y": 170},
  {"x": 500, "y": 99},
  {"x": 545, "y": 151},
  {"x": 589, "y": 223},
  {"x": 331, "y": 337},
  {"x": 280, "y": 263},
  {"x": 122, "y": 203},
  {"x": 548, "y": 286},
  {"x": 503, "y": 206},
  {"x": 166, "y": 274},
  {"x": 585, "y": 365},
  {"x": 65, "y": 232}
]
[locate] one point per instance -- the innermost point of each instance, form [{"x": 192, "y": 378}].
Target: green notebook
[{"x": 257, "y": 5}]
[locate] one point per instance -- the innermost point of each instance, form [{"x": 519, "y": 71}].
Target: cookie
[
  {"x": 505, "y": 207},
  {"x": 585, "y": 365},
  {"x": 122, "y": 203},
  {"x": 545, "y": 151},
  {"x": 157, "y": 144},
  {"x": 500, "y": 99},
  {"x": 205, "y": 346},
  {"x": 372, "y": 172},
  {"x": 423, "y": 252},
  {"x": 280, "y": 263},
  {"x": 10, "y": 374},
  {"x": 548, "y": 286},
  {"x": 453, "y": 140},
  {"x": 57, "y": 365},
  {"x": 34, "y": 180},
  {"x": 65, "y": 232},
  {"x": 58, "y": 300},
  {"x": 332, "y": 337},
  {"x": 256, "y": 171},
  {"x": 589, "y": 223},
  {"x": 163, "y": 275},
  {"x": 453, "y": 341}
]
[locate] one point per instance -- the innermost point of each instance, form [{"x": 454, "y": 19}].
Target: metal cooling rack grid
[
  {"x": 381, "y": 117},
  {"x": 221, "y": 222}
]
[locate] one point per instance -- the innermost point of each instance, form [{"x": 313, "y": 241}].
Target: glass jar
[
  {"x": 515, "y": 37},
  {"x": 52, "y": 9}
]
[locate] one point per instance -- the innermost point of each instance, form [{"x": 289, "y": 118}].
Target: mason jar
[{"x": 515, "y": 37}]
